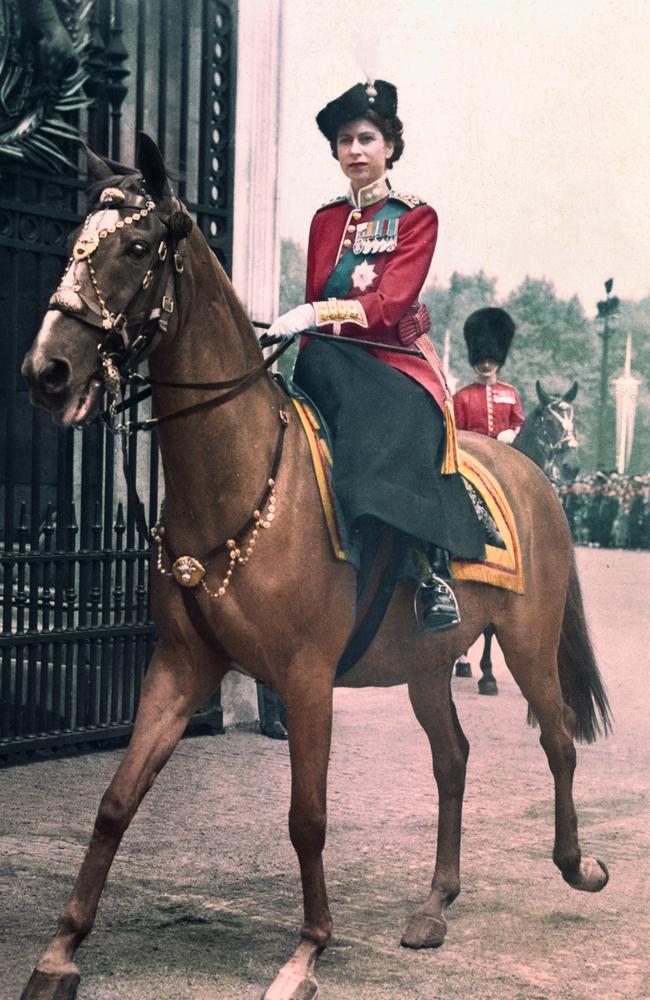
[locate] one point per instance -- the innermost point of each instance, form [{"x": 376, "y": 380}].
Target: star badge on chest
[{"x": 363, "y": 276}]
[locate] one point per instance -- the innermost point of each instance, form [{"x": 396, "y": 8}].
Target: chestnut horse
[{"x": 270, "y": 572}]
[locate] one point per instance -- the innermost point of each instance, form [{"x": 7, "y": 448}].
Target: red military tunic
[
  {"x": 382, "y": 292},
  {"x": 488, "y": 409}
]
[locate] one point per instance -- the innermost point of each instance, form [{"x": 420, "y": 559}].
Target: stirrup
[{"x": 435, "y": 605}]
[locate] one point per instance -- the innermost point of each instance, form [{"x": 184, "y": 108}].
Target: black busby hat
[
  {"x": 356, "y": 102},
  {"x": 488, "y": 334}
]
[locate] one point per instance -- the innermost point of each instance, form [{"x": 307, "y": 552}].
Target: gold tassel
[{"x": 450, "y": 461}]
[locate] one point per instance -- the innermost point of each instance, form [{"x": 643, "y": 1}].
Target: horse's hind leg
[
  {"x": 167, "y": 702},
  {"x": 487, "y": 683},
  {"x": 436, "y": 713},
  {"x": 535, "y": 671}
]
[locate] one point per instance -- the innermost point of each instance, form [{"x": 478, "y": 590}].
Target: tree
[{"x": 293, "y": 270}]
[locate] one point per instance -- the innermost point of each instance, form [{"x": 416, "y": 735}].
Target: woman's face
[{"x": 362, "y": 152}]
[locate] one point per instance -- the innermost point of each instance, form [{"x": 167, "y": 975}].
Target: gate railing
[{"x": 76, "y": 632}]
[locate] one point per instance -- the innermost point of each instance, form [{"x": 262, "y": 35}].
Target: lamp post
[{"x": 607, "y": 310}]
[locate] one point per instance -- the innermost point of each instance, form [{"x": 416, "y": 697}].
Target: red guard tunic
[
  {"x": 382, "y": 291},
  {"x": 488, "y": 409}
]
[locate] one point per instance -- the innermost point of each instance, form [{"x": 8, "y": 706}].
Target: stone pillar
[{"x": 256, "y": 236}]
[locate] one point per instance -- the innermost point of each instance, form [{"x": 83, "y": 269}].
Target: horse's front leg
[
  {"x": 168, "y": 700},
  {"x": 309, "y": 723}
]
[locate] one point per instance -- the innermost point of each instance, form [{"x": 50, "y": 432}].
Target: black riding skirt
[{"x": 388, "y": 438}]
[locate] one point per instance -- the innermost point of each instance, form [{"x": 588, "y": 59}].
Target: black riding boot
[
  {"x": 273, "y": 714},
  {"x": 436, "y": 607}
]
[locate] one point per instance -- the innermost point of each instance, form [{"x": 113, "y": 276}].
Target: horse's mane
[
  {"x": 526, "y": 437},
  {"x": 125, "y": 178},
  {"x": 237, "y": 311}
]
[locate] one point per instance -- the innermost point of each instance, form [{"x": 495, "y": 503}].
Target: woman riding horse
[
  {"x": 390, "y": 414},
  {"x": 143, "y": 280}
]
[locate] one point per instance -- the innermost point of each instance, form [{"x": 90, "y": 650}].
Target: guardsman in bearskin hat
[
  {"x": 390, "y": 414},
  {"x": 489, "y": 406}
]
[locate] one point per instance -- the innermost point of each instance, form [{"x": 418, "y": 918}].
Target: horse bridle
[
  {"x": 566, "y": 441},
  {"x": 568, "y": 438},
  {"x": 118, "y": 354}
]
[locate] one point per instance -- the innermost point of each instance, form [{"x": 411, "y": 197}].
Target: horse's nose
[
  {"x": 570, "y": 466},
  {"x": 51, "y": 378},
  {"x": 54, "y": 377}
]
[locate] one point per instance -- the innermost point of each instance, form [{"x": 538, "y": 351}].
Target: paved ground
[{"x": 203, "y": 900}]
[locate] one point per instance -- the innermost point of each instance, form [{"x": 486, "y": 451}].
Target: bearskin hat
[
  {"x": 356, "y": 102},
  {"x": 488, "y": 334}
]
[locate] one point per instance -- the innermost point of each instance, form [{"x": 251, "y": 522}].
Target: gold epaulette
[
  {"x": 332, "y": 201},
  {"x": 410, "y": 200}
]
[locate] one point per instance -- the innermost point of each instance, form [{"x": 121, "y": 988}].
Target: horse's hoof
[
  {"x": 425, "y": 931},
  {"x": 592, "y": 876},
  {"x": 51, "y": 986},
  {"x": 487, "y": 685},
  {"x": 463, "y": 668},
  {"x": 304, "y": 990}
]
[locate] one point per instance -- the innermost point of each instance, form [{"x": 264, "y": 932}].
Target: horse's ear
[
  {"x": 543, "y": 397},
  {"x": 98, "y": 169},
  {"x": 150, "y": 164},
  {"x": 572, "y": 393}
]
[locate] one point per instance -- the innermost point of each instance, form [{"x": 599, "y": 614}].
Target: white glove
[
  {"x": 507, "y": 436},
  {"x": 294, "y": 321}
]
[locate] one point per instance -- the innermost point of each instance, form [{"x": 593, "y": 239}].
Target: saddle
[{"x": 502, "y": 566}]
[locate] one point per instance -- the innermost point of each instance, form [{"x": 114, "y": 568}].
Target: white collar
[{"x": 369, "y": 194}]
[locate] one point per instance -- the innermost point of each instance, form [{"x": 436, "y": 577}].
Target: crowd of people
[{"x": 609, "y": 510}]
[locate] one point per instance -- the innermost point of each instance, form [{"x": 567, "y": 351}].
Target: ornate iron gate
[{"x": 76, "y": 632}]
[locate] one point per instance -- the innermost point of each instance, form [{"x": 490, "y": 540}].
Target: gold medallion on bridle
[
  {"x": 86, "y": 244},
  {"x": 111, "y": 196},
  {"x": 188, "y": 571}
]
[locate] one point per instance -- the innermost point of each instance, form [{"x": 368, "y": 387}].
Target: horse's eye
[{"x": 139, "y": 248}]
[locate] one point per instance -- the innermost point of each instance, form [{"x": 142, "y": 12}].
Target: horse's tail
[{"x": 582, "y": 686}]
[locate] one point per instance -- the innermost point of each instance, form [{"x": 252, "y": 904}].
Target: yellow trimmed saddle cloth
[{"x": 502, "y": 567}]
